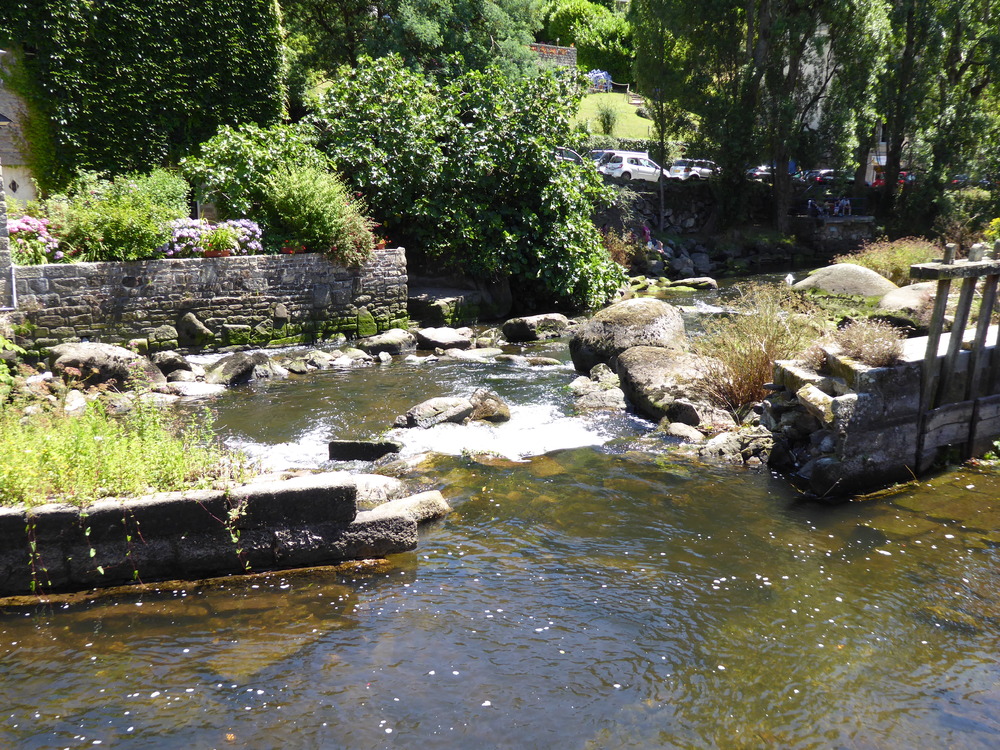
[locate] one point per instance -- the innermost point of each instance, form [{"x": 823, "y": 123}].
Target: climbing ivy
[{"x": 126, "y": 85}]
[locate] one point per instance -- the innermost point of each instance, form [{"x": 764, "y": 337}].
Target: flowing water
[{"x": 584, "y": 593}]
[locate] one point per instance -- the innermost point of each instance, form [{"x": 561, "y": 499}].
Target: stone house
[{"x": 18, "y": 185}]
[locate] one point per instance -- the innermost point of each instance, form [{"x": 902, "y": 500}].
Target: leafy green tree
[
  {"x": 603, "y": 39},
  {"x": 123, "y": 85},
  {"x": 463, "y": 173},
  {"x": 945, "y": 59},
  {"x": 427, "y": 34},
  {"x": 754, "y": 75}
]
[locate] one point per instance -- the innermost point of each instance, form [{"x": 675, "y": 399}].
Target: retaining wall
[
  {"x": 309, "y": 520},
  {"x": 210, "y": 303}
]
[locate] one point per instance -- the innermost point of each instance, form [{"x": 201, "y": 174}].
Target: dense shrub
[
  {"x": 231, "y": 168},
  {"x": 769, "y": 323},
  {"x": 122, "y": 219},
  {"x": 313, "y": 207},
  {"x": 81, "y": 459},
  {"x": 893, "y": 259},
  {"x": 462, "y": 173},
  {"x": 124, "y": 85}
]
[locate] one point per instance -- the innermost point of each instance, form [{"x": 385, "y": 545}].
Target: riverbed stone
[
  {"x": 653, "y": 378},
  {"x": 435, "y": 411},
  {"x": 623, "y": 325},
  {"x": 192, "y": 332},
  {"x": 846, "y": 279},
  {"x": 487, "y": 406},
  {"x": 535, "y": 327},
  {"x": 243, "y": 367},
  {"x": 193, "y": 389},
  {"x": 393, "y": 341},
  {"x": 103, "y": 363},
  {"x": 170, "y": 361},
  {"x": 442, "y": 338}
]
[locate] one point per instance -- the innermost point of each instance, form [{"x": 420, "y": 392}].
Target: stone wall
[
  {"x": 210, "y": 303},
  {"x": 5, "y": 266}
]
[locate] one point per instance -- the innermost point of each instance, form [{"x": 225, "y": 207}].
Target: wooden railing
[{"x": 958, "y": 402}]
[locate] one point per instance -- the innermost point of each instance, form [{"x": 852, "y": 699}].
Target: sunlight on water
[{"x": 582, "y": 595}]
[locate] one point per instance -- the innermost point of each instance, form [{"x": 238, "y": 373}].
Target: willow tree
[{"x": 756, "y": 74}]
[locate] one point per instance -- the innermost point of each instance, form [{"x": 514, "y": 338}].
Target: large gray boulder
[
  {"x": 623, "y": 325},
  {"x": 488, "y": 407},
  {"x": 442, "y": 338},
  {"x": 913, "y": 299},
  {"x": 393, "y": 341},
  {"x": 535, "y": 327},
  {"x": 243, "y": 367},
  {"x": 435, "y": 411},
  {"x": 99, "y": 363},
  {"x": 847, "y": 279},
  {"x": 663, "y": 383}
]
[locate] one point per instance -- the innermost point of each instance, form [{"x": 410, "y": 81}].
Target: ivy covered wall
[{"x": 124, "y": 85}]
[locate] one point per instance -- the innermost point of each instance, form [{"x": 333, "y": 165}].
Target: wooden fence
[{"x": 960, "y": 385}]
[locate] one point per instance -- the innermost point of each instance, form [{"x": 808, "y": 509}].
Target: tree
[
  {"x": 754, "y": 74},
  {"x": 427, "y": 34},
  {"x": 462, "y": 172}
]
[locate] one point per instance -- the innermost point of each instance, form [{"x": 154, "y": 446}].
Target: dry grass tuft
[
  {"x": 871, "y": 342},
  {"x": 744, "y": 347}
]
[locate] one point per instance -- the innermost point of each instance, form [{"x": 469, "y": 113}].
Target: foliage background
[{"x": 118, "y": 86}]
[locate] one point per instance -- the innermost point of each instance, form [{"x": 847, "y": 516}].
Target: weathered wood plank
[
  {"x": 948, "y": 425},
  {"x": 961, "y": 269},
  {"x": 980, "y": 358}
]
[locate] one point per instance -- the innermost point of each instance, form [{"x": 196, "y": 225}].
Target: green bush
[
  {"x": 314, "y": 208},
  {"x": 124, "y": 85},
  {"x": 893, "y": 259},
  {"x": 231, "y": 168},
  {"x": 81, "y": 459},
  {"x": 122, "y": 219},
  {"x": 462, "y": 173},
  {"x": 607, "y": 119}
]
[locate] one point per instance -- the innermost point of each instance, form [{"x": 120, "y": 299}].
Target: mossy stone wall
[{"x": 210, "y": 303}]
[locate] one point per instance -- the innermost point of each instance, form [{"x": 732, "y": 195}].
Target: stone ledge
[{"x": 307, "y": 520}]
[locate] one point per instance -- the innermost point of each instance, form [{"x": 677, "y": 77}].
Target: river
[{"x": 583, "y": 594}]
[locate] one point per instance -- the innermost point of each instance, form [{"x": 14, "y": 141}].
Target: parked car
[
  {"x": 568, "y": 154},
  {"x": 596, "y": 154},
  {"x": 762, "y": 173},
  {"x": 827, "y": 177},
  {"x": 905, "y": 178},
  {"x": 692, "y": 169},
  {"x": 631, "y": 166},
  {"x": 958, "y": 181}
]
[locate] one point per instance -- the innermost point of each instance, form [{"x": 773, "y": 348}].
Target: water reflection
[{"x": 589, "y": 597}]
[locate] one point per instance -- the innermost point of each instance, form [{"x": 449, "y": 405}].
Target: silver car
[
  {"x": 692, "y": 169},
  {"x": 631, "y": 167}
]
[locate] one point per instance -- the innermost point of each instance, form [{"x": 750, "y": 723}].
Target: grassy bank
[
  {"x": 628, "y": 124},
  {"x": 49, "y": 457}
]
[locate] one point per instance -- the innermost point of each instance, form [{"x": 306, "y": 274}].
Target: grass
[
  {"x": 51, "y": 457},
  {"x": 893, "y": 259},
  {"x": 628, "y": 123},
  {"x": 743, "y": 347}
]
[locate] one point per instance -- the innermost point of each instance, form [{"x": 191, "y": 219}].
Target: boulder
[
  {"x": 685, "y": 432},
  {"x": 102, "y": 363},
  {"x": 170, "y": 361},
  {"x": 473, "y": 355},
  {"x": 192, "y": 332},
  {"x": 599, "y": 392},
  {"x": 653, "y": 378},
  {"x": 393, "y": 341},
  {"x": 623, "y": 325},
  {"x": 488, "y": 407},
  {"x": 535, "y": 327},
  {"x": 375, "y": 489},
  {"x": 847, "y": 279},
  {"x": 442, "y": 338},
  {"x": 243, "y": 367},
  {"x": 192, "y": 389},
  {"x": 435, "y": 411},
  {"x": 912, "y": 299}
]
